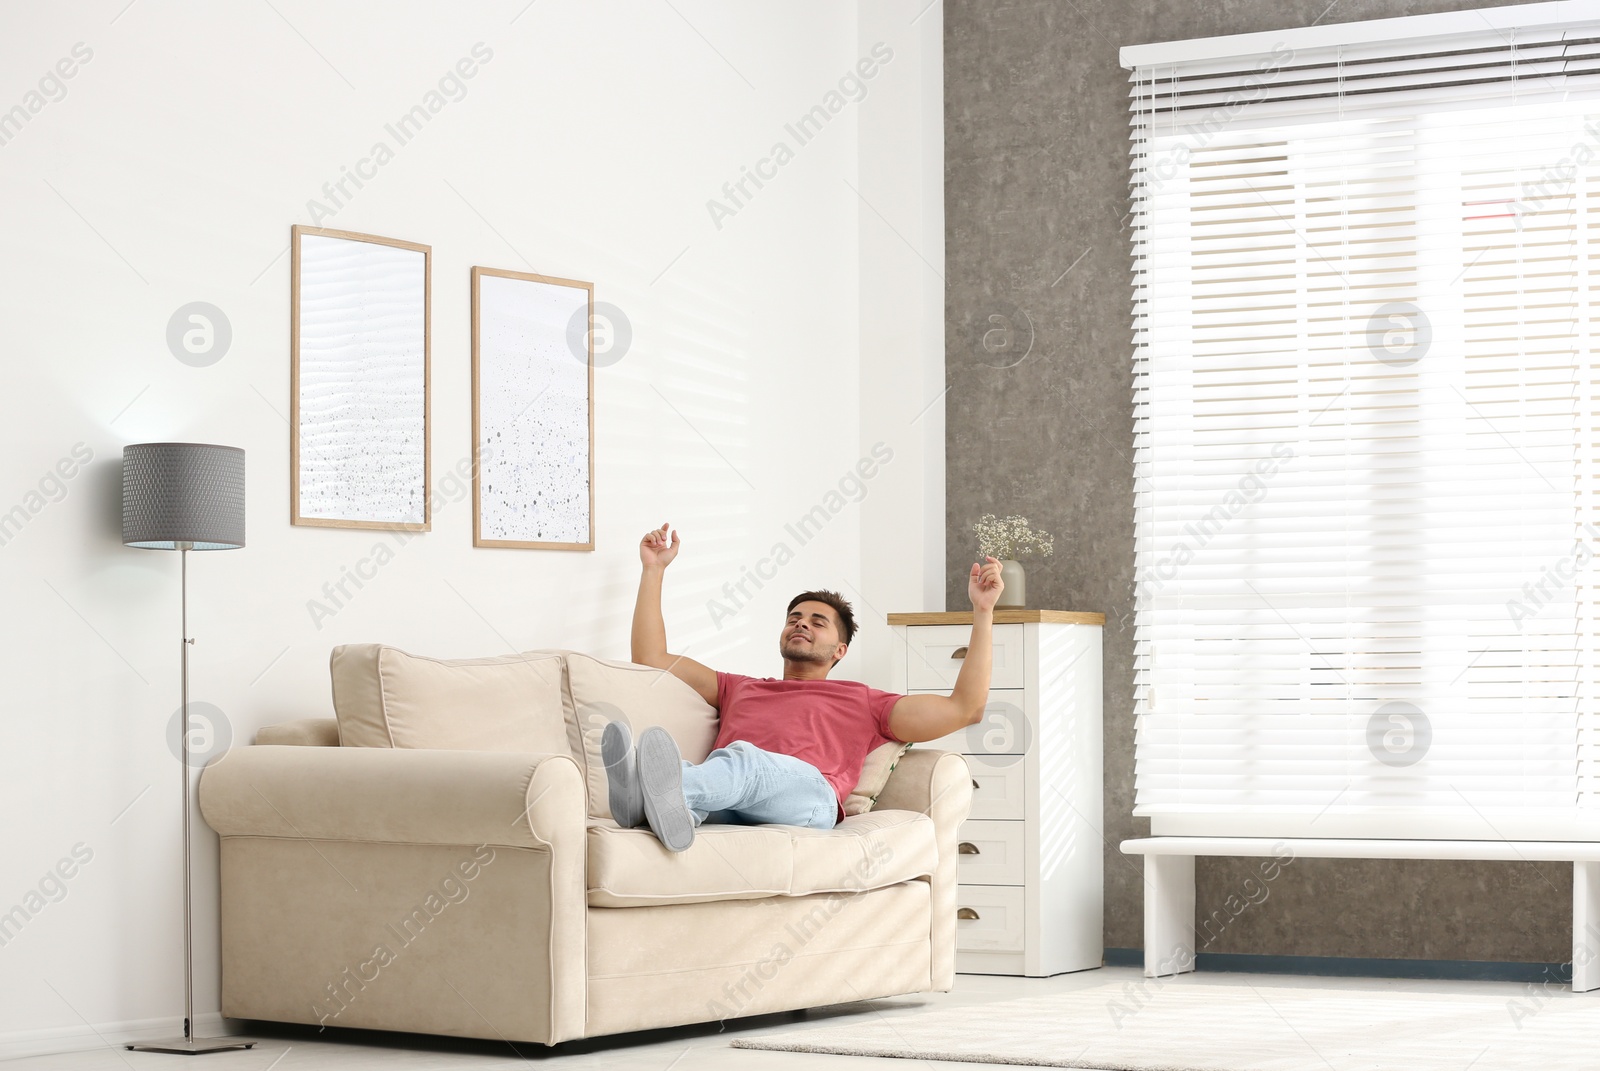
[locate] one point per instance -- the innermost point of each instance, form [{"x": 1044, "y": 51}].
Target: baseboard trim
[
  {"x": 1356, "y": 967},
  {"x": 53, "y": 1040}
]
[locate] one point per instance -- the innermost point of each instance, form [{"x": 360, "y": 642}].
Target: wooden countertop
[{"x": 1001, "y": 617}]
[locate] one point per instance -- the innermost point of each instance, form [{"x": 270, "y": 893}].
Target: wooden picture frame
[
  {"x": 366, "y": 462},
  {"x": 529, "y": 345}
]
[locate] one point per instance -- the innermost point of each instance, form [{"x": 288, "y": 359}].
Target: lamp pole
[
  {"x": 188, "y": 884},
  {"x": 183, "y": 497}
]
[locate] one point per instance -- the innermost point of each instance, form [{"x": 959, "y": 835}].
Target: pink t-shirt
[{"x": 833, "y": 725}]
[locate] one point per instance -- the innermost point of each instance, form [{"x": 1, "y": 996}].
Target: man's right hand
[{"x": 655, "y": 551}]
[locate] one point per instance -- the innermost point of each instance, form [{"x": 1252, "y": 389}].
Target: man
[{"x": 787, "y": 751}]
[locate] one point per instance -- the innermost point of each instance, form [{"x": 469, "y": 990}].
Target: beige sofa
[{"x": 405, "y": 882}]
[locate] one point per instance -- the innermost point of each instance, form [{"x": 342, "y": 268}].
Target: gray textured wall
[{"x": 1036, "y": 176}]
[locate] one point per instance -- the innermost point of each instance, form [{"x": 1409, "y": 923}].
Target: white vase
[{"x": 1015, "y": 595}]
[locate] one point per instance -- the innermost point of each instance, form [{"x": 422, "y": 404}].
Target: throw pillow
[{"x": 875, "y": 772}]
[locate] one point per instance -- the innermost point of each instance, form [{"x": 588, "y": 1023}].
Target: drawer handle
[
  {"x": 967, "y": 914},
  {"x": 959, "y": 652},
  {"x": 966, "y": 847}
]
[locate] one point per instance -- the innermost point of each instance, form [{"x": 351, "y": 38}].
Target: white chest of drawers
[{"x": 1032, "y": 863}]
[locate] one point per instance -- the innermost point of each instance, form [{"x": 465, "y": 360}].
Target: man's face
[{"x": 811, "y": 634}]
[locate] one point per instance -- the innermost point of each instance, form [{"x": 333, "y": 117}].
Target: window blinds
[{"x": 1367, "y": 436}]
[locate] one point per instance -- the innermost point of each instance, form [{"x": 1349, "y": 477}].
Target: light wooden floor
[{"x": 681, "y": 1049}]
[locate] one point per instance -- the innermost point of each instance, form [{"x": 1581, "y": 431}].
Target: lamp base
[{"x": 189, "y": 1046}]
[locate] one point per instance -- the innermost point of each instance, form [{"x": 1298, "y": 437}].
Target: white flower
[{"x": 1009, "y": 537}]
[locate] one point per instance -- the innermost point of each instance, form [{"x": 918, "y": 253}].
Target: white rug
[{"x": 1236, "y": 1025}]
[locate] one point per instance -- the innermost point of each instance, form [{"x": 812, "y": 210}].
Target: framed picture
[
  {"x": 532, "y": 411},
  {"x": 359, "y": 320}
]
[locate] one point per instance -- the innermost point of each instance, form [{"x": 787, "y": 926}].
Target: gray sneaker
[
  {"x": 661, "y": 776},
  {"x": 622, "y": 775}
]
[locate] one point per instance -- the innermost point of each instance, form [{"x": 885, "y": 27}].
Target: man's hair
[{"x": 847, "y": 617}]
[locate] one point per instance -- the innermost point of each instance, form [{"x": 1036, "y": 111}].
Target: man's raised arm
[
  {"x": 928, "y": 717},
  {"x": 650, "y": 631}
]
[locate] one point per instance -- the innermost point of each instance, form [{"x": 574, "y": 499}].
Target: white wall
[
  {"x": 768, "y": 356},
  {"x": 901, "y": 230}
]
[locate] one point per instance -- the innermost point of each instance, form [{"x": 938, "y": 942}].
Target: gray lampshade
[{"x": 176, "y": 493}]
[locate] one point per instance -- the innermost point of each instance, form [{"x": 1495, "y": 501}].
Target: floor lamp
[{"x": 183, "y": 497}]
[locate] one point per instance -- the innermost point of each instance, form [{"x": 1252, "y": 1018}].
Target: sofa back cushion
[
  {"x": 600, "y": 690},
  {"x": 384, "y": 697}
]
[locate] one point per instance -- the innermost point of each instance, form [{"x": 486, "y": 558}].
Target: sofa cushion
[
  {"x": 600, "y": 691},
  {"x": 631, "y": 868},
  {"x": 384, "y": 697},
  {"x": 875, "y": 773}
]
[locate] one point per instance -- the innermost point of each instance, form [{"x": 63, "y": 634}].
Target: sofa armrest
[
  {"x": 939, "y": 785},
  {"x": 370, "y": 887},
  {"x": 305, "y": 732},
  {"x": 396, "y": 796},
  {"x": 936, "y": 783}
]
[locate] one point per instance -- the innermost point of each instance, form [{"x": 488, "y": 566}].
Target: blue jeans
[{"x": 742, "y": 785}]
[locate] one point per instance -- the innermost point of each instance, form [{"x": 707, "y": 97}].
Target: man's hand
[
  {"x": 984, "y": 585},
  {"x": 656, "y": 552},
  {"x": 650, "y": 631},
  {"x": 915, "y": 718}
]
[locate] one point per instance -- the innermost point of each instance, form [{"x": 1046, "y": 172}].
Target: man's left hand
[{"x": 984, "y": 584}]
